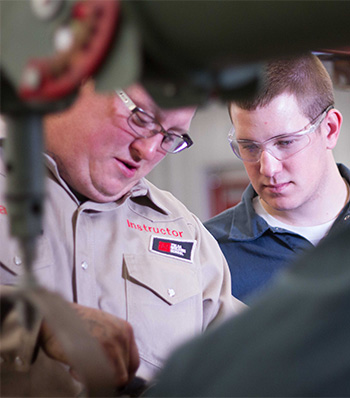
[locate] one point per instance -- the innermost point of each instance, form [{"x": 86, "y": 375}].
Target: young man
[
  {"x": 113, "y": 244},
  {"x": 298, "y": 194}
]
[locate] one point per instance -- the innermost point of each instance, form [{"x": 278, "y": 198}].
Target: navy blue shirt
[{"x": 254, "y": 250}]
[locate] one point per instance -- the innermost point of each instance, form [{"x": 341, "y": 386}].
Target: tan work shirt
[{"x": 144, "y": 258}]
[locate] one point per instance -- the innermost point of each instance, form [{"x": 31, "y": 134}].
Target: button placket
[
  {"x": 85, "y": 280},
  {"x": 19, "y": 361}
]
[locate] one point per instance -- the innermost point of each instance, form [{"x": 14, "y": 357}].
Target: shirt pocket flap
[{"x": 173, "y": 281}]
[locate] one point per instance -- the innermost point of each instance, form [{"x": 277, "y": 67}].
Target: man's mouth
[
  {"x": 277, "y": 188},
  {"x": 128, "y": 168}
]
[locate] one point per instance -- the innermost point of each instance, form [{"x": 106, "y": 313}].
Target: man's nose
[
  {"x": 146, "y": 148},
  {"x": 269, "y": 165}
]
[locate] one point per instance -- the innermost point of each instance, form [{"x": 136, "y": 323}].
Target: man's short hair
[{"x": 305, "y": 77}]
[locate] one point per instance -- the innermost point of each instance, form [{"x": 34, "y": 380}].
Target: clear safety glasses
[{"x": 280, "y": 147}]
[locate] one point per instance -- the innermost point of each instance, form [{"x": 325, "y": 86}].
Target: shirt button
[
  {"x": 347, "y": 217},
  {"x": 18, "y": 361},
  {"x": 17, "y": 260},
  {"x": 171, "y": 292},
  {"x": 84, "y": 265}
]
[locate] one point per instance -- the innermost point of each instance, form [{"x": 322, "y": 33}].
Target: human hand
[{"x": 115, "y": 336}]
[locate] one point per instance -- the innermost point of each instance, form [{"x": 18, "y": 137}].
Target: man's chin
[
  {"x": 277, "y": 204},
  {"x": 103, "y": 194}
]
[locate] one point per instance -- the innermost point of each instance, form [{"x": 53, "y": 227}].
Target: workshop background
[{"x": 208, "y": 177}]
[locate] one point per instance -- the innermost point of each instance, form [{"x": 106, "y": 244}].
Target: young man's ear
[{"x": 333, "y": 122}]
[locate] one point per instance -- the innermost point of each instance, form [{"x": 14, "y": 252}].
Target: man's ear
[{"x": 333, "y": 122}]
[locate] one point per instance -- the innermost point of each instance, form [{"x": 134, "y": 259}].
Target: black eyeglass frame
[
  {"x": 184, "y": 140},
  {"x": 308, "y": 129}
]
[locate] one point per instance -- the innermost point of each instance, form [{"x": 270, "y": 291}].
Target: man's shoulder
[
  {"x": 221, "y": 225},
  {"x": 166, "y": 200},
  {"x": 220, "y": 219}
]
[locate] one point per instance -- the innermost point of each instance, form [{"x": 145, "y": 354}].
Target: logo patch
[{"x": 181, "y": 249}]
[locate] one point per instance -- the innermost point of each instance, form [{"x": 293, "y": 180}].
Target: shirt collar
[
  {"x": 146, "y": 189},
  {"x": 246, "y": 224}
]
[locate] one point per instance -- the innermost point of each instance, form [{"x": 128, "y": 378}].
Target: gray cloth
[{"x": 294, "y": 341}]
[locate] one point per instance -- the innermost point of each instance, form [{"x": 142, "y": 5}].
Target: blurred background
[{"x": 208, "y": 177}]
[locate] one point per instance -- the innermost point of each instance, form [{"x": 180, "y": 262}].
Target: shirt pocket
[
  {"x": 164, "y": 303},
  {"x": 12, "y": 263}
]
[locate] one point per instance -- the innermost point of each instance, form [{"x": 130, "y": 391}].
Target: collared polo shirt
[{"x": 254, "y": 250}]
